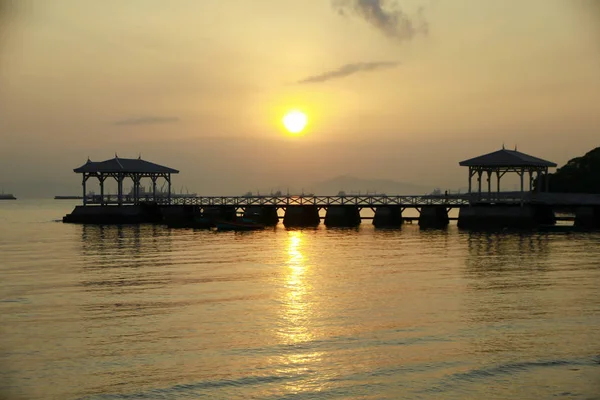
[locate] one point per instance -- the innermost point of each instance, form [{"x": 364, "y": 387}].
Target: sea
[{"x": 147, "y": 312}]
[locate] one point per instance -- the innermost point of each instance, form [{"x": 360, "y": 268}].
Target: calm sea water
[{"x": 144, "y": 312}]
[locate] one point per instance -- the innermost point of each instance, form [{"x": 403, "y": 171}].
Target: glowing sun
[{"x": 295, "y": 121}]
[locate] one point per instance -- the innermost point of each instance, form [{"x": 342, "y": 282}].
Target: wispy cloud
[
  {"x": 150, "y": 120},
  {"x": 386, "y": 16},
  {"x": 348, "y": 69}
]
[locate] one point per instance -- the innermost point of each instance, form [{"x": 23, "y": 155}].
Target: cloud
[
  {"x": 348, "y": 69},
  {"x": 146, "y": 121},
  {"x": 391, "y": 20}
]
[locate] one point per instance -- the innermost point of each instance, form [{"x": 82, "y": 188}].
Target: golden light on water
[
  {"x": 296, "y": 312},
  {"x": 295, "y": 260},
  {"x": 295, "y": 121},
  {"x": 297, "y": 320}
]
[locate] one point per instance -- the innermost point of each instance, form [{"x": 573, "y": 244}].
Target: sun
[{"x": 295, "y": 121}]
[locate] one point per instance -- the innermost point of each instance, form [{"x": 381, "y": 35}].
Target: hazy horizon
[{"x": 394, "y": 90}]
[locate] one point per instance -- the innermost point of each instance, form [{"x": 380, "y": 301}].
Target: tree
[{"x": 579, "y": 175}]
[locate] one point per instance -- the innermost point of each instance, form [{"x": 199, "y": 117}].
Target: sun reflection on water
[
  {"x": 296, "y": 329},
  {"x": 296, "y": 308}
]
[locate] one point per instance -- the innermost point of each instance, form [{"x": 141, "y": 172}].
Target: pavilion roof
[
  {"x": 506, "y": 158},
  {"x": 127, "y": 165}
]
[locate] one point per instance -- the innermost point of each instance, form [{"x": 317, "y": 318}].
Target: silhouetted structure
[
  {"x": 120, "y": 169},
  {"x": 519, "y": 209},
  {"x": 531, "y": 211},
  {"x": 502, "y": 161}
]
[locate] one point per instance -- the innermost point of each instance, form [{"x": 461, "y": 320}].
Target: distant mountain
[{"x": 353, "y": 185}]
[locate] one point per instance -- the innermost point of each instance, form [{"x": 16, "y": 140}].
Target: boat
[
  {"x": 59, "y": 197},
  {"x": 241, "y": 224},
  {"x": 7, "y": 196}
]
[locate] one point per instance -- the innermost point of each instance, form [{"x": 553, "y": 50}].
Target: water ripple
[{"x": 94, "y": 312}]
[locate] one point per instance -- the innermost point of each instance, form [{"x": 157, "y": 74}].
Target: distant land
[{"x": 353, "y": 185}]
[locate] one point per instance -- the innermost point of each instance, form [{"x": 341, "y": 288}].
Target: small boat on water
[
  {"x": 7, "y": 196},
  {"x": 241, "y": 224}
]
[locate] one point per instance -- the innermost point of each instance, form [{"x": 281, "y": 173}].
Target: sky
[{"x": 399, "y": 90}]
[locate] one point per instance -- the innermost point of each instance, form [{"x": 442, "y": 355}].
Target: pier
[{"x": 481, "y": 208}]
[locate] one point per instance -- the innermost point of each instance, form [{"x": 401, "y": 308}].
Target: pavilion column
[
  {"x": 101, "y": 178},
  {"x": 538, "y": 181},
  {"x": 489, "y": 181},
  {"x": 83, "y": 183},
  {"x": 498, "y": 176},
  {"x": 136, "y": 188},
  {"x": 470, "y": 176},
  {"x": 154, "y": 177},
  {"x": 521, "y": 176},
  {"x": 479, "y": 173},
  {"x": 133, "y": 189},
  {"x": 120, "y": 188},
  {"x": 530, "y": 180},
  {"x": 169, "y": 189},
  {"x": 547, "y": 181}
]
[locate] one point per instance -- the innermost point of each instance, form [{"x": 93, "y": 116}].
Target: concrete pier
[
  {"x": 301, "y": 216},
  {"x": 509, "y": 210},
  {"x": 224, "y": 213},
  {"x": 179, "y": 213},
  {"x": 433, "y": 217},
  {"x": 588, "y": 217},
  {"x": 544, "y": 215},
  {"x": 505, "y": 217},
  {"x": 113, "y": 215},
  {"x": 185, "y": 216},
  {"x": 266, "y": 215},
  {"x": 342, "y": 216},
  {"x": 388, "y": 217}
]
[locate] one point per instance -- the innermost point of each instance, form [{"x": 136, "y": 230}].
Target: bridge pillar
[
  {"x": 388, "y": 217},
  {"x": 491, "y": 216},
  {"x": 266, "y": 215},
  {"x": 301, "y": 216},
  {"x": 433, "y": 217},
  {"x": 342, "y": 216},
  {"x": 544, "y": 215},
  {"x": 223, "y": 213},
  {"x": 588, "y": 217},
  {"x": 179, "y": 213}
]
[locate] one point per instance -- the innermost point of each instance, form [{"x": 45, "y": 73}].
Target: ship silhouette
[{"x": 7, "y": 196}]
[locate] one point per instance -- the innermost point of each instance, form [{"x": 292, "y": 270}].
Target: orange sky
[{"x": 202, "y": 86}]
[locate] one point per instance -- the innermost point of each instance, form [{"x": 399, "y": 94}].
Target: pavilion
[
  {"x": 502, "y": 161},
  {"x": 122, "y": 168}
]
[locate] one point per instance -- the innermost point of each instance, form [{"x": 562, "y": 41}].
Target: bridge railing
[
  {"x": 360, "y": 201},
  {"x": 325, "y": 201},
  {"x": 501, "y": 197},
  {"x": 452, "y": 200},
  {"x": 320, "y": 201}
]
